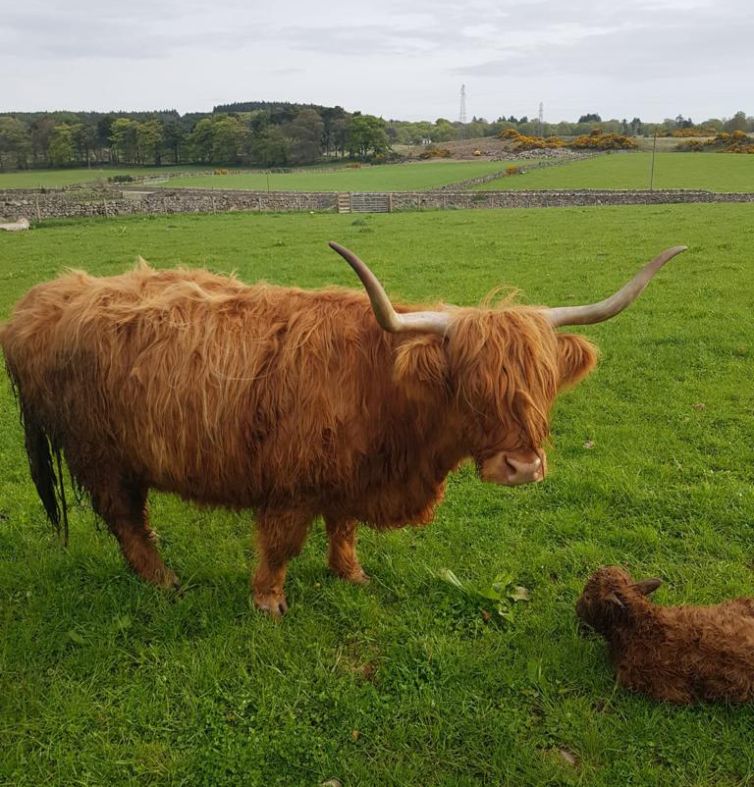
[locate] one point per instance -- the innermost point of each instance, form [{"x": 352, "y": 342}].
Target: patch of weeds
[{"x": 496, "y": 600}]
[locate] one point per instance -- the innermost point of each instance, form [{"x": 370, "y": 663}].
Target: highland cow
[
  {"x": 677, "y": 654},
  {"x": 293, "y": 403}
]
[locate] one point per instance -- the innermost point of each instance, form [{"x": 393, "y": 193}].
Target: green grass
[
  {"x": 706, "y": 171},
  {"x": 104, "y": 680},
  {"x": 416, "y": 176},
  {"x": 57, "y": 178}
]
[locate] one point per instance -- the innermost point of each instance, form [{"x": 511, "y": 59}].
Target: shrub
[
  {"x": 120, "y": 179},
  {"x": 433, "y": 152},
  {"x": 522, "y": 142},
  {"x": 693, "y": 145},
  {"x": 723, "y": 142},
  {"x": 700, "y": 131},
  {"x": 598, "y": 140},
  {"x": 221, "y": 172},
  {"x": 513, "y": 169}
]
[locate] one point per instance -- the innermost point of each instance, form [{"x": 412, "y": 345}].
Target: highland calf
[
  {"x": 677, "y": 654},
  {"x": 293, "y": 403}
]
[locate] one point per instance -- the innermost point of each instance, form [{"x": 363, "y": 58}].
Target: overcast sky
[{"x": 646, "y": 58}]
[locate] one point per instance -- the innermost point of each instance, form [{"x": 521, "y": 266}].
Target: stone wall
[
  {"x": 39, "y": 205},
  {"x": 423, "y": 200},
  {"x": 524, "y": 164},
  {"x": 47, "y": 204}
]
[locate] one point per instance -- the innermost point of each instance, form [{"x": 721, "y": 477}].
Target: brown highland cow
[
  {"x": 293, "y": 403},
  {"x": 677, "y": 654}
]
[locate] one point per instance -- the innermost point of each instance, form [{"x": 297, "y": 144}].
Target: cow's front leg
[
  {"x": 280, "y": 536},
  {"x": 341, "y": 553}
]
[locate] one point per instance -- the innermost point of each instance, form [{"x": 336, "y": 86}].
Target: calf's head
[
  {"x": 501, "y": 368},
  {"x": 611, "y": 597}
]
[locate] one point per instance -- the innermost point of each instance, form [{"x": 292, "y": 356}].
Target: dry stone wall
[{"x": 40, "y": 205}]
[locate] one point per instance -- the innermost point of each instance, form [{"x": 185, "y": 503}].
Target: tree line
[
  {"x": 274, "y": 134},
  {"x": 444, "y": 130},
  {"x": 256, "y": 133}
]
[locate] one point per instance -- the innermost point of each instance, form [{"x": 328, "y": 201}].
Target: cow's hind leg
[
  {"x": 280, "y": 536},
  {"x": 341, "y": 553},
  {"x": 123, "y": 506}
]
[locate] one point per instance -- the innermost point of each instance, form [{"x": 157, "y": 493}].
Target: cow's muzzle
[{"x": 512, "y": 468}]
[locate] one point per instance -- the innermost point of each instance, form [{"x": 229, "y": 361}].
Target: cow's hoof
[
  {"x": 355, "y": 575},
  {"x": 166, "y": 580},
  {"x": 272, "y": 603},
  {"x": 358, "y": 577}
]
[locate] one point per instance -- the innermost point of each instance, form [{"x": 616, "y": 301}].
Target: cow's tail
[{"x": 45, "y": 463}]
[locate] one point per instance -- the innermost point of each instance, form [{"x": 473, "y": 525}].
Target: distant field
[
  {"x": 388, "y": 177},
  {"x": 55, "y": 178},
  {"x": 106, "y": 681},
  {"x": 707, "y": 171}
]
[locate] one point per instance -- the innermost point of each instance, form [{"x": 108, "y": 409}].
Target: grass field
[
  {"x": 706, "y": 171},
  {"x": 415, "y": 176},
  {"x": 389, "y": 177},
  {"x": 104, "y": 680},
  {"x": 56, "y": 178}
]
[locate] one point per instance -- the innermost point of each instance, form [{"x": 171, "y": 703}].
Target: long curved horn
[
  {"x": 604, "y": 310},
  {"x": 387, "y": 317}
]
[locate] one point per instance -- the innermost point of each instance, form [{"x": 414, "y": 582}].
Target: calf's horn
[
  {"x": 604, "y": 310},
  {"x": 387, "y": 317}
]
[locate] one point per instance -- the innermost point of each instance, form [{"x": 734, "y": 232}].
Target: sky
[{"x": 650, "y": 59}]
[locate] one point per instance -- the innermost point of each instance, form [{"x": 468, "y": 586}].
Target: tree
[
  {"x": 367, "y": 134},
  {"x": 591, "y": 117},
  {"x": 41, "y": 133},
  {"x": 103, "y": 135},
  {"x": 174, "y": 137},
  {"x": 305, "y": 133},
  {"x": 123, "y": 136},
  {"x": 149, "y": 136},
  {"x": 736, "y": 123},
  {"x": 330, "y": 117},
  {"x": 15, "y": 143},
  {"x": 443, "y": 131},
  {"x": 200, "y": 141},
  {"x": 84, "y": 138},
  {"x": 61, "y": 146},
  {"x": 230, "y": 138},
  {"x": 270, "y": 147}
]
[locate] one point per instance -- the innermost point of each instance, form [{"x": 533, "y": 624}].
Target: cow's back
[{"x": 199, "y": 384}]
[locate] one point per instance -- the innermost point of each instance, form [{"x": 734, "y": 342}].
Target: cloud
[{"x": 389, "y": 58}]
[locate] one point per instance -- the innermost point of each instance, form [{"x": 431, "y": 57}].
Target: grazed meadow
[
  {"x": 705, "y": 171},
  {"x": 106, "y": 680},
  {"x": 336, "y": 177}
]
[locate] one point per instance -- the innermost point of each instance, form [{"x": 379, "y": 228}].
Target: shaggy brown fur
[
  {"x": 677, "y": 654},
  {"x": 290, "y": 402}
]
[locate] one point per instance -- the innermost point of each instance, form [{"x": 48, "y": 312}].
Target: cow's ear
[
  {"x": 421, "y": 367},
  {"x": 577, "y": 357}
]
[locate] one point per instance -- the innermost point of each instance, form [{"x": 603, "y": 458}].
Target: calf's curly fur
[{"x": 677, "y": 654}]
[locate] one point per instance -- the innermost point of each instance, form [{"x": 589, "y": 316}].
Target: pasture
[
  {"x": 58, "y": 178},
  {"x": 406, "y": 681},
  {"x": 411, "y": 176},
  {"x": 705, "y": 171}
]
